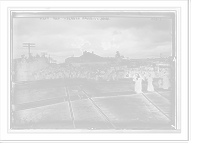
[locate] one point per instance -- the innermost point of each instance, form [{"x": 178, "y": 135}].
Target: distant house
[{"x": 87, "y": 59}]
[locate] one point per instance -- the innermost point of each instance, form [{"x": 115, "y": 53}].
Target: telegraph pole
[{"x": 29, "y": 45}]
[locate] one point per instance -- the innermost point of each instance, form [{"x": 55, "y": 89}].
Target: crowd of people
[
  {"x": 96, "y": 73},
  {"x": 161, "y": 75},
  {"x": 109, "y": 73}
]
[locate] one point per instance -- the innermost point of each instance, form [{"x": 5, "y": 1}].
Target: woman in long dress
[
  {"x": 138, "y": 83},
  {"x": 150, "y": 86}
]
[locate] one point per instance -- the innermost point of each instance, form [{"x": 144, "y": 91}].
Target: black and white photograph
[
  {"x": 93, "y": 70},
  {"x": 97, "y": 72}
]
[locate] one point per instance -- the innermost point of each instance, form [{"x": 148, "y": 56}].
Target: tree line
[{"x": 23, "y": 68}]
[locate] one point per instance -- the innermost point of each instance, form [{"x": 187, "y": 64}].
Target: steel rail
[
  {"x": 70, "y": 107},
  {"x": 162, "y": 95},
  {"x": 95, "y": 105},
  {"x": 156, "y": 106}
]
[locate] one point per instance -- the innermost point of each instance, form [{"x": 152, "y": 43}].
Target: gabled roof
[{"x": 92, "y": 58}]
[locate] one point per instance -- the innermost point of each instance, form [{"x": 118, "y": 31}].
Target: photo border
[
  {"x": 129, "y": 14},
  {"x": 177, "y": 9}
]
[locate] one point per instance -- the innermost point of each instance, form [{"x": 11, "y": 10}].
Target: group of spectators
[
  {"x": 96, "y": 73},
  {"x": 106, "y": 73},
  {"x": 162, "y": 77}
]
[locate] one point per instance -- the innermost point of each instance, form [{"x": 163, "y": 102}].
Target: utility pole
[{"x": 29, "y": 45}]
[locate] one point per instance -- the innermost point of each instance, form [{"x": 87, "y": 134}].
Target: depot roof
[{"x": 87, "y": 58}]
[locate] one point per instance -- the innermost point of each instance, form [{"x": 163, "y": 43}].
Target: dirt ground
[
  {"x": 131, "y": 112},
  {"x": 126, "y": 112},
  {"x": 48, "y": 117},
  {"x": 36, "y": 91},
  {"x": 91, "y": 87}
]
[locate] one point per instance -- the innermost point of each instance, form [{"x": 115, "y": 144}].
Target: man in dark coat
[{"x": 138, "y": 83}]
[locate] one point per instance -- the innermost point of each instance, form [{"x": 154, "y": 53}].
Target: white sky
[{"x": 132, "y": 37}]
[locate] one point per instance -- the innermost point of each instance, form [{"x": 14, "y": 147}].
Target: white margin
[{"x": 182, "y": 73}]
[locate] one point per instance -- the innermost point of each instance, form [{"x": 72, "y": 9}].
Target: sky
[{"x": 132, "y": 37}]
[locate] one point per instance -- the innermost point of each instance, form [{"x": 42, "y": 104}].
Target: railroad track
[
  {"x": 163, "y": 97},
  {"x": 86, "y": 113},
  {"x": 159, "y": 104}
]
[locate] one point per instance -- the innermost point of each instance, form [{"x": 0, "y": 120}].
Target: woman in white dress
[
  {"x": 138, "y": 83},
  {"x": 150, "y": 86}
]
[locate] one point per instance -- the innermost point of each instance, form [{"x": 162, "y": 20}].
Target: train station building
[{"x": 87, "y": 59}]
